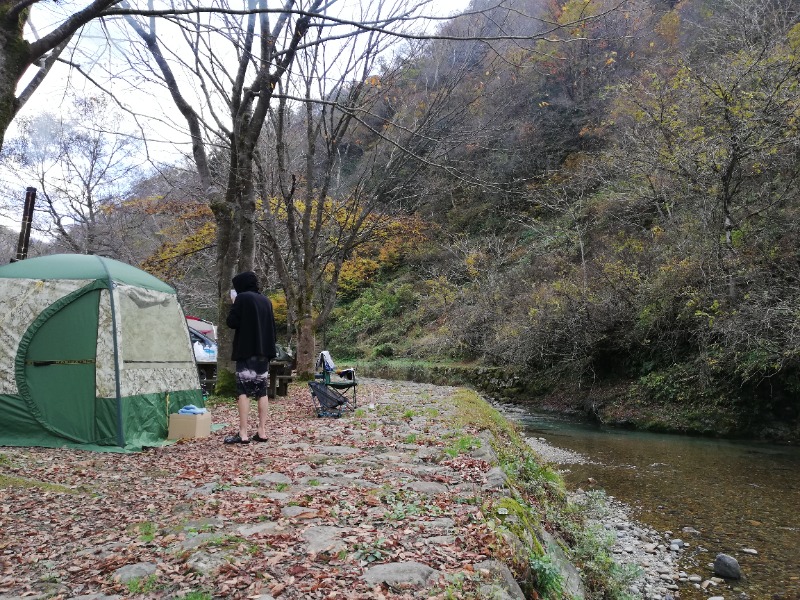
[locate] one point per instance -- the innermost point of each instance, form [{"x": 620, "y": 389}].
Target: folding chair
[
  {"x": 328, "y": 402},
  {"x": 342, "y": 381}
]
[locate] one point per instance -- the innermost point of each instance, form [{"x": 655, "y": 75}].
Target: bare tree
[
  {"x": 339, "y": 158},
  {"x": 81, "y": 166},
  {"x": 269, "y": 58}
]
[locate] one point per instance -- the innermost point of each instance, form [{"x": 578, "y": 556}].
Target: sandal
[
  {"x": 235, "y": 439},
  {"x": 258, "y": 438}
]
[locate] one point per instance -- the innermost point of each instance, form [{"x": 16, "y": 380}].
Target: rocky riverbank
[
  {"x": 410, "y": 496},
  {"x": 635, "y": 545},
  {"x": 656, "y": 554}
]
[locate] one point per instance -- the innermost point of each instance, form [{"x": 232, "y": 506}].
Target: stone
[
  {"x": 312, "y": 481},
  {"x": 303, "y": 512},
  {"x": 495, "y": 478},
  {"x": 750, "y": 551},
  {"x": 204, "y": 563},
  {"x": 279, "y": 497},
  {"x": 572, "y": 584},
  {"x": 324, "y": 539},
  {"x": 502, "y": 574},
  {"x": 243, "y": 489},
  {"x": 486, "y": 453},
  {"x": 198, "y": 524},
  {"x": 727, "y": 566},
  {"x": 204, "y": 490},
  {"x": 440, "y": 523},
  {"x": 136, "y": 571},
  {"x": 430, "y": 488},
  {"x": 495, "y": 592},
  {"x": 401, "y": 575},
  {"x": 267, "y": 527},
  {"x": 690, "y": 530},
  {"x": 272, "y": 478},
  {"x": 338, "y": 450},
  {"x": 195, "y": 541},
  {"x": 441, "y": 540}
]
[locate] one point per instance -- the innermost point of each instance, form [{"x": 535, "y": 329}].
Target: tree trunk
[
  {"x": 306, "y": 351},
  {"x": 14, "y": 60}
]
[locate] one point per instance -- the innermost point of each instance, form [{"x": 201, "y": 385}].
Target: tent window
[{"x": 154, "y": 333}]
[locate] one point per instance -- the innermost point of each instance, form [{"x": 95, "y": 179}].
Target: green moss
[{"x": 521, "y": 520}]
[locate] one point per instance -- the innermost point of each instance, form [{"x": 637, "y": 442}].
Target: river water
[{"x": 736, "y": 495}]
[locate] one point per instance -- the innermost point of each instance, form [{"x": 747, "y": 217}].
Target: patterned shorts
[{"x": 252, "y": 376}]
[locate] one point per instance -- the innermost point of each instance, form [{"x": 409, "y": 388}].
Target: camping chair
[
  {"x": 343, "y": 382},
  {"x": 328, "y": 402}
]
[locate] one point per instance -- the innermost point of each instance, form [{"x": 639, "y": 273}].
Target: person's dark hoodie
[{"x": 252, "y": 320}]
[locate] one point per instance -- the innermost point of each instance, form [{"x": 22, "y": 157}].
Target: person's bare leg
[
  {"x": 263, "y": 413},
  {"x": 244, "y": 411}
]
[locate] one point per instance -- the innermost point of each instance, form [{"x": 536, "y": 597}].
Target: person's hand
[{"x": 233, "y": 295}]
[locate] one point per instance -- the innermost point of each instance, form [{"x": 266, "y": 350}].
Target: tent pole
[{"x": 114, "y": 332}]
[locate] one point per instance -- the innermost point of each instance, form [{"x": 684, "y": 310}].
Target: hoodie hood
[{"x": 245, "y": 282}]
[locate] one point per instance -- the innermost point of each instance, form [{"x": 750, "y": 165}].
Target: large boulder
[{"x": 727, "y": 567}]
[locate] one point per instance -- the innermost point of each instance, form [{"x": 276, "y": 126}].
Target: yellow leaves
[
  {"x": 166, "y": 259},
  {"x": 621, "y": 272},
  {"x": 669, "y": 28},
  {"x": 472, "y": 262},
  {"x": 623, "y": 243},
  {"x": 356, "y": 272},
  {"x": 392, "y": 240},
  {"x": 441, "y": 292},
  {"x": 543, "y": 104},
  {"x": 280, "y": 308},
  {"x": 374, "y": 81},
  {"x": 794, "y": 38}
]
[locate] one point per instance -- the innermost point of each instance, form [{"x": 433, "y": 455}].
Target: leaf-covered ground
[{"x": 309, "y": 514}]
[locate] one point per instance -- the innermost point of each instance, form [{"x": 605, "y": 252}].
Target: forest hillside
[{"x": 617, "y": 226}]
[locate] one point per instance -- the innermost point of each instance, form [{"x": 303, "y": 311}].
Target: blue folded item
[{"x": 191, "y": 409}]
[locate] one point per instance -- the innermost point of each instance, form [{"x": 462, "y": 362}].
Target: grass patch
[
  {"x": 198, "y": 595},
  {"x": 8, "y": 481},
  {"x": 147, "y": 531},
  {"x": 461, "y": 444},
  {"x": 143, "y": 585}
]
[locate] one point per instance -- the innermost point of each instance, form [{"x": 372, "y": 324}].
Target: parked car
[{"x": 205, "y": 355}]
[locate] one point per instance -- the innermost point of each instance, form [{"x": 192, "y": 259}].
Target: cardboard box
[{"x": 189, "y": 426}]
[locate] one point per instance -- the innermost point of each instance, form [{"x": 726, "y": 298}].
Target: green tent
[{"x": 95, "y": 354}]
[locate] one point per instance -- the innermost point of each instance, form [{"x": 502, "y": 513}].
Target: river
[{"x": 736, "y": 495}]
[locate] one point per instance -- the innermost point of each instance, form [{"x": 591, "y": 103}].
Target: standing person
[{"x": 253, "y": 322}]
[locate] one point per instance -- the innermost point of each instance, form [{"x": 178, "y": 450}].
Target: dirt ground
[{"x": 382, "y": 503}]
